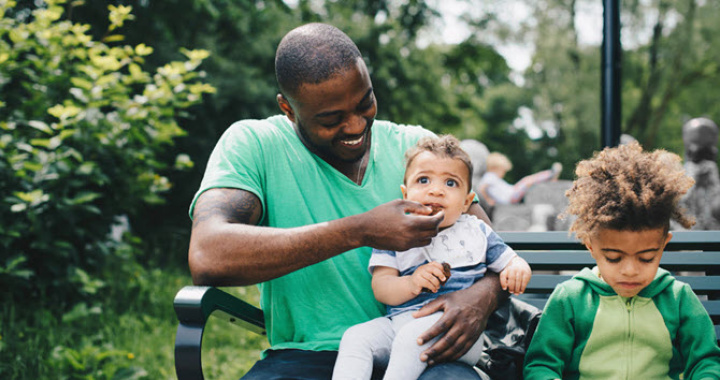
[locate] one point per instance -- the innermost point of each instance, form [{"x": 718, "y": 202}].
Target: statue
[{"x": 700, "y": 137}]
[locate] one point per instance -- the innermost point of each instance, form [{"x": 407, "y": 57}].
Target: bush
[{"x": 83, "y": 129}]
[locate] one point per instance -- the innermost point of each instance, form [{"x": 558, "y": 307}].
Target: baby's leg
[
  {"x": 522, "y": 186},
  {"x": 363, "y": 346},
  {"x": 405, "y": 355}
]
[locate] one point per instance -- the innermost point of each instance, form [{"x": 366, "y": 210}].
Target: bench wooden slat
[
  {"x": 554, "y": 240},
  {"x": 545, "y": 283},
  {"x": 574, "y": 259}
]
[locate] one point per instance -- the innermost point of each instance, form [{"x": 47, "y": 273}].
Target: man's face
[
  {"x": 628, "y": 260},
  {"x": 333, "y": 119},
  {"x": 440, "y": 183}
]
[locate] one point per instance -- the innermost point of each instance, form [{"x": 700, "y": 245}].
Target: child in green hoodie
[{"x": 626, "y": 318}]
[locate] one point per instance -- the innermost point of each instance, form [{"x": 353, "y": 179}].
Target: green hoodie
[{"x": 587, "y": 331}]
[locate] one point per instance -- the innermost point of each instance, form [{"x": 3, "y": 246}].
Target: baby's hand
[
  {"x": 516, "y": 275},
  {"x": 429, "y": 276}
]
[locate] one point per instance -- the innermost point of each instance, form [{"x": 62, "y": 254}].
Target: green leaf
[
  {"x": 85, "y": 197},
  {"x": 114, "y": 38},
  {"x": 30, "y": 197},
  {"x": 18, "y": 207},
  {"x": 41, "y": 126},
  {"x": 81, "y": 82}
]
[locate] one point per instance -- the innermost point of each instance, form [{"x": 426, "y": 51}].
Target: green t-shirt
[{"x": 310, "y": 308}]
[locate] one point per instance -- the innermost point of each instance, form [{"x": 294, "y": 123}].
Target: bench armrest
[{"x": 193, "y": 306}]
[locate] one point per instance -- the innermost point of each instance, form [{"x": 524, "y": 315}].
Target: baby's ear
[
  {"x": 469, "y": 200},
  {"x": 403, "y": 188}
]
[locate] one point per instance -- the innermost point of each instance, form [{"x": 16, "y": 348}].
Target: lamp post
[{"x": 611, "y": 70}]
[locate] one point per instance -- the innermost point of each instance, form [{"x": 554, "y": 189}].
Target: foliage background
[{"x": 109, "y": 110}]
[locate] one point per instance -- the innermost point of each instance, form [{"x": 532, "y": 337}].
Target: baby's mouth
[{"x": 436, "y": 208}]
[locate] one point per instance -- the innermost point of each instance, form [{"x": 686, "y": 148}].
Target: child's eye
[
  {"x": 451, "y": 183},
  {"x": 423, "y": 180},
  {"x": 647, "y": 260},
  {"x": 610, "y": 260}
]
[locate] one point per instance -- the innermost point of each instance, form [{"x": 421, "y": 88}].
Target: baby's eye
[
  {"x": 423, "y": 180},
  {"x": 647, "y": 260},
  {"x": 451, "y": 183}
]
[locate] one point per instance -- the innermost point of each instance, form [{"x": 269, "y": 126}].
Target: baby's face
[
  {"x": 440, "y": 183},
  {"x": 628, "y": 260}
]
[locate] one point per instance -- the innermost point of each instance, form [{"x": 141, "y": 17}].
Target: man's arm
[
  {"x": 465, "y": 313},
  {"x": 227, "y": 248}
]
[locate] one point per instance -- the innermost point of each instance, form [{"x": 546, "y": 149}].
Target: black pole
[{"x": 611, "y": 66}]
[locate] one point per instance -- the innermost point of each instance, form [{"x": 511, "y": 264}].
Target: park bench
[{"x": 693, "y": 256}]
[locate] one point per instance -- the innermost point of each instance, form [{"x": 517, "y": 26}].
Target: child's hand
[
  {"x": 516, "y": 275},
  {"x": 429, "y": 276}
]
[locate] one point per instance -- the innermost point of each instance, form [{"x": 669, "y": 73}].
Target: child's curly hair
[{"x": 624, "y": 188}]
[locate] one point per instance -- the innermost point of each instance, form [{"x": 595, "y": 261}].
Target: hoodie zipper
[{"x": 629, "y": 303}]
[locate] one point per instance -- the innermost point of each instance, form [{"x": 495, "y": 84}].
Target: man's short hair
[{"x": 313, "y": 53}]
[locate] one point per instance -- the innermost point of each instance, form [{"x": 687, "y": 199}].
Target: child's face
[
  {"x": 439, "y": 182},
  {"x": 628, "y": 260}
]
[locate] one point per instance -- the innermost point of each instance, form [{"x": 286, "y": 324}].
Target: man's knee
[{"x": 452, "y": 370}]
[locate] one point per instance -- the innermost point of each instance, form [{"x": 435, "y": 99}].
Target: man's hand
[
  {"x": 400, "y": 225},
  {"x": 465, "y": 315},
  {"x": 516, "y": 275}
]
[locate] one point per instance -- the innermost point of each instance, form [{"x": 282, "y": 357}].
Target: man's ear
[
  {"x": 285, "y": 107},
  {"x": 403, "y": 188}
]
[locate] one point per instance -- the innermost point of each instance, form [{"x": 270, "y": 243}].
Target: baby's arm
[
  {"x": 516, "y": 275},
  {"x": 392, "y": 289}
]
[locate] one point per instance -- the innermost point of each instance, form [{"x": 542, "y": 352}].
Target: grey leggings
[{"x": 391, "y": 342}]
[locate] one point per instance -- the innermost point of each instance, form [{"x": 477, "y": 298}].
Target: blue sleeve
[{"x": 498, "y": 253}]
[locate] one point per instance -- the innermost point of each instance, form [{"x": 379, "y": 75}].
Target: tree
[
  {"x": 667, "y": 80},
  {"x": 675, "y": 76},
  {"x": 83, "y": 131}
]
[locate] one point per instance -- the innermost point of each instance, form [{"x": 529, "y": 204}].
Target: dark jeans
[{"x": 318, "y": 365}]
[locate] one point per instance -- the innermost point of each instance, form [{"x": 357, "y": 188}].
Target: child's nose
[{"x": 628, "y": 268}]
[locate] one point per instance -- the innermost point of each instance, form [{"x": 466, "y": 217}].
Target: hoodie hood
[{"x": 662, "y": 280}]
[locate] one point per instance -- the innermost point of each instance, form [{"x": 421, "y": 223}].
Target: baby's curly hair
[
  {"x": 447, "y": 146},
  {"x": 624, "y": 188}
]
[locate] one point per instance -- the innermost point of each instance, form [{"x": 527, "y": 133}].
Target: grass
[{"x": 125, "y": 336}]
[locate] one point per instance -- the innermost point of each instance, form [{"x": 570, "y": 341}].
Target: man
[{"x": 294, "y": 203}]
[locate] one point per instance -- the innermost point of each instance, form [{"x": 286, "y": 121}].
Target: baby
[{"x": 438, "y": 175}]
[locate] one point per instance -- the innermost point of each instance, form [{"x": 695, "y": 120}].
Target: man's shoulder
[
  {"x": 249, "y": 133},
  {"x": 260, "y": 126},
  {"x": 401, "y": 130}
]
